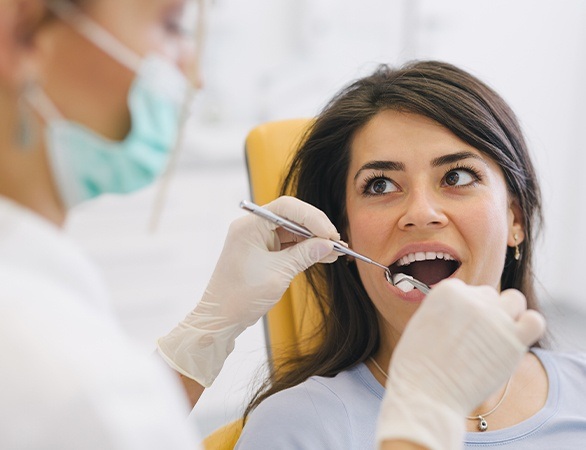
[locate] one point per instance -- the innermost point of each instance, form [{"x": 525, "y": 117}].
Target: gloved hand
[
  {"x": 253, "y": 272},
  {"x": 461, "y": 345}
]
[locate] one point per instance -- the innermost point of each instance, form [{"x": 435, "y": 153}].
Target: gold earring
[{"x": 517, "y": 251}]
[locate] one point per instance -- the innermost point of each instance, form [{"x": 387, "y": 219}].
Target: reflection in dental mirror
[{"x": 402, "y": 281}]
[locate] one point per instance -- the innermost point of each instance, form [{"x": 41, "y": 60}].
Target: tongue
[{"x": 432, "y": 271}]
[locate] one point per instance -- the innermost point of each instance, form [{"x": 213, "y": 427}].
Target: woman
[
  {"x": 424, "y": 169},
  {"x": 91, "y": 95}
]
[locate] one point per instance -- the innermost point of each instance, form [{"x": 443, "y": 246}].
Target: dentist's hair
[{"x": 456, "y": 100}]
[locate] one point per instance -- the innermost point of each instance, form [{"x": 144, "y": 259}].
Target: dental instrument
[{"x": 397, "y": 280}]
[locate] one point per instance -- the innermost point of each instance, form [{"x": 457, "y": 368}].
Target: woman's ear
[{"x": 516, "y": 233}]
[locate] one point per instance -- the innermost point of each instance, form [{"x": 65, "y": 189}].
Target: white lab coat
[{"x": 69, "y": 377}]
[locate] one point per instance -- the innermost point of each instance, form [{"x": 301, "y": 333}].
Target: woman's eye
[
  {"x": 380, "y": 186},
  {"x": 459, "y": 177}
]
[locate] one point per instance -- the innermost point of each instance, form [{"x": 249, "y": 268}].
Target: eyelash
[
  {"x": 381, "y": 176},
  {"x": 371, "y": 179},
  {"x": 471, "y": 170}
]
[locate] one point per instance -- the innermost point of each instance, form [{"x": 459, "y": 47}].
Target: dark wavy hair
[{"x": 456, "y": 100}]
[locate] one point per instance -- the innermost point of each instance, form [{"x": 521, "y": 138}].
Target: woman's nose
[{"x": 422, "y": 210}]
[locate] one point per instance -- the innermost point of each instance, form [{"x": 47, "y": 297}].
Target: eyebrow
[
  {"x": 381, "y": 165},
  {"x": 454, "y": 157},
  {"x": 443, "y": 160}
]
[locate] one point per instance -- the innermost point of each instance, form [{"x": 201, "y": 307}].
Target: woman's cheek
[{"x": 487, "y": 233}]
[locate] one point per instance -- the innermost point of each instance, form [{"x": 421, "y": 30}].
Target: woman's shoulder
[
  {"x": 313, "y": 397},
  {"x": 570, "y": 360},
  {"x": 328, "y": 392},
  {"x": 299, "y": 417},
  {"x": 326, "y": 409},
  {"x": 564, "y": 368}
]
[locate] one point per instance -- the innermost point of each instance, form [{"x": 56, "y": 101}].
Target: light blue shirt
[{"x": 341, "y": 413}]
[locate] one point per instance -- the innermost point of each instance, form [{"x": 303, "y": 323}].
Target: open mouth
[{"x": 428, "y": 267}]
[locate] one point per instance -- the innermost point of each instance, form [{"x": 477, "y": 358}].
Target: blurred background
[{"x": 273, "y": 59}]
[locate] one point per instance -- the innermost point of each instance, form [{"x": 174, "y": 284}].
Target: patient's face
[{"x": 415, "y": 191}]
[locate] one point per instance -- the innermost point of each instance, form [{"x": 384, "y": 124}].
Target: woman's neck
[
  {"x": 525, "y": 396},
  {"x": 25, "y": 174}
]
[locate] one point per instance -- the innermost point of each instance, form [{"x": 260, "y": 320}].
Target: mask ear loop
[
  {"x": 192, "y": 75},
  {"x": 98, "y": 35}
]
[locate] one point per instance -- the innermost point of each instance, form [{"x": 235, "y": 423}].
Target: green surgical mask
[{"x": 85, "y": 164}]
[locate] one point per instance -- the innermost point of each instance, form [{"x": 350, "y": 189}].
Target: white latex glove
[
  {"x": 461, "y": 345},
  {"x": 251, "y": 275}
]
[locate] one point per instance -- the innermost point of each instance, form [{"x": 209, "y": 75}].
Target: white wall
[
  {"x": 533, "y": 52},
  {"x": 285, "y": 58},
  {"x": 274, "y": 59}
]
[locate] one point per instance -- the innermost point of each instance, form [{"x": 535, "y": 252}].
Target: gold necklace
[{"x": 482, "y": 423}]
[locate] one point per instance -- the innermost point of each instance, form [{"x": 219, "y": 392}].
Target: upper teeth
[{"x": 422, "y": 256}]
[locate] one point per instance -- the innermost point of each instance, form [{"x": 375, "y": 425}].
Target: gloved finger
[
  {"x": 530, "y": 327},
  {"x": 332, "y": 257},
  {"x": 287, "y": 239},
  {"x": 304, "y": 214},
  {"x": 253, "y": 229},
  {"x": 305, "y": 254},
  {"x": 513, "y": 302},
  {"x": 485, "y": 294}
]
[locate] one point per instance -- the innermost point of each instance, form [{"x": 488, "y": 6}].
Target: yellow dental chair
[{"x": 269, "y": 148}]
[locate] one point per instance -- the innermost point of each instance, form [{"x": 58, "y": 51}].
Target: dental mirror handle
[
  {"x": 272, "y": 217},
  {"x": 301, "y": 230}
]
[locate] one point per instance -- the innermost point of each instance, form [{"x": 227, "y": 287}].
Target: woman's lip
[
  {"x": 412, "y": 296},
  {"x": 425, "y": 247}
]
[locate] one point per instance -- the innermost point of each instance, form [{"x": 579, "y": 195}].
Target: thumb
[
  {"x": 530, "y": 327},
  {"x": 305, "y": 254}
]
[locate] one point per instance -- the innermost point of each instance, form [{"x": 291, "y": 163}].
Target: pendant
[{"x": 482, "y": 424}]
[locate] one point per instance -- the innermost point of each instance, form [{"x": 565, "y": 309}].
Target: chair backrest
[
  {"x": 269, "y": 148},
  {"x": 224, "y": 438}
]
